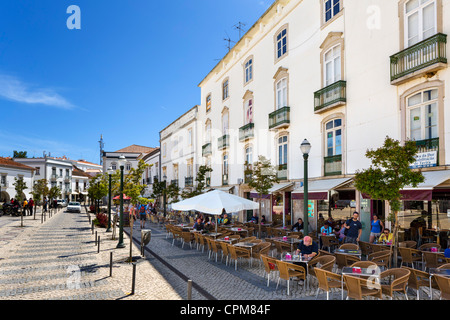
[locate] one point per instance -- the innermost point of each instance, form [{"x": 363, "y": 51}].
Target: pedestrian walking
[
  {"x": 142, "y": 215},
  {"x": 45, "y": 204},
  {"x": 30, "y": 206},
  {"x": 354, "y": 229},
  {"x": 376, "y": 230}
]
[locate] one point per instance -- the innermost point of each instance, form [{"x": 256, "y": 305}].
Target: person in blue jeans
[
  {"x": 376, "y": 230},
  {"x": 354, "y": 229}
]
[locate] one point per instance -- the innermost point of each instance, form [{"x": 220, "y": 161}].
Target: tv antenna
[
  {"x": 229, "y": 41},
  {"x": 239, "y": 26}
]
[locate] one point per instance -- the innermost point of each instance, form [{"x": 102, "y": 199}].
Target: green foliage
[
  {"x": 20, "y": 154},
  {"x": 264, "y": 175},
  {"x": 54, "y": 192},
  {"x": 19, "y": 186},
  {"x": 389, "y": 172},
  {"x": 201, "y": 183},
  {"x": 98, "y": 187},
  {"x": 40, "y": 190}
]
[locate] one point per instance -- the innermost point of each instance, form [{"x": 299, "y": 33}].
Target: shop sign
[{"x": 425, "y": 160}]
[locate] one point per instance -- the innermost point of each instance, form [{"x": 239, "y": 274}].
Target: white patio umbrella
[{"x": 215, "y": 202}]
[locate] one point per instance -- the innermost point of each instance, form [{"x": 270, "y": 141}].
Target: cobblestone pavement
[{"x": 59, "y": 259}]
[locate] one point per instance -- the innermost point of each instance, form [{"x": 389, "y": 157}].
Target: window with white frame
[
  {"x": 281, "y": 43},
  {"x": 281, "y": 93},
  {"x": 248, "y": 111},
  {"x": 282, "y": 150},
  {"x": 225, "y": 165},
  {"x": 114, "y": 166},
  {"x": 420, "y": 20},
  {"x": 333, "y": 134},
  {"x": 208, "y": 131},
  {"x": 332, "y": 65},
  {"x": 208, "y": 103},
  {"x": 128, "y": 166},
  {"x": 225, "y": 92},
  {"x": 423, "y": 115},
  {"x": 225, "y": 122},
  {"x": 249, "y": 155},
  {"x": 331, "y": 8},
  {"x": 249, "y": 70}
]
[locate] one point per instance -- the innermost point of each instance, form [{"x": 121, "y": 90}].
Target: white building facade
[
  {"x": 10, "y": 172},
  {"x": 344, "y": 75}
]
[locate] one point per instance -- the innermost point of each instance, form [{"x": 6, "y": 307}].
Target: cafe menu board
[{"x": 311, "y": 208}]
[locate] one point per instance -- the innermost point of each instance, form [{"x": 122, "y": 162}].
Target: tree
[
  {"x": 389, "y": 173},
  {"x": 20, "y": 154},
  {"x": 40, "y": 190},
  {"x": 19, "y": 186},
  {"x": 98, "y": 187},
  {"x": 264, "y": 175},
  {"x": 201, "y": 183}
]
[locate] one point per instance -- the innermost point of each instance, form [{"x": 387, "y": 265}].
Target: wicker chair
[
  {"x": 366, "y": 248},
  {"x": 236, "y": 253},
  {"x": 248, "y": 239},
  {"x": 201, "y": 241},
  {"x": 215, "y": 247},
  {"x": 322, "y": 262},
  {"x": 176, "y": 235},
  {"x": 357, "y": 289},
  {"x": 225, "y": 252},
  {"x": 344, "y": 260},
  {"x": 410, "y": 256},
  {"x": 445, "y": 266},
  {"x": 327, "y": 280},
  {"x": 261, "y": 248},
  {"x": 381, "y": 258},
  {"x": 418, "y": 279},
  {"x": 187, "y": 237},
  {"x": 350, "y": 246},
  {"x": 398, "y": 279},
  {"x": 429, "y": 245},
  {"x": 444, "y": 285},
  {"x": 364, "y": 264},
  {"x": 408, "y": 244},
  {"x": 433, "y": 259},
  {"x": 379, "y": 247},
  {"x": 270, "y": 265},
  {"x": 288, "y": 271},
  {"x": 329, "y": 242}
]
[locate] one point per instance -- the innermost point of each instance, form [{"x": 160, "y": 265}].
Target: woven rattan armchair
[{"x": 398, "y": 280}]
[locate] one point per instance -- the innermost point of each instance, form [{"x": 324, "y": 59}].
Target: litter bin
[{"x": 146, "y": 235}]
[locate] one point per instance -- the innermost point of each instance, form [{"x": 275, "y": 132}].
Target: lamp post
[
  {"x": 305, "y": 147},
  {"x": 164, "y": 194},
  {"x": 110, "y": 172},
  {"x": 121, "y": 162}
]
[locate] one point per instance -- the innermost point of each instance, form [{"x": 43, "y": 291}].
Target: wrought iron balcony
[
  {"x": 333, "y": 165},
  {"x": 280, "y": 118},
  {"x": 224, "y": 142},
  {"x": 246, "y": 132},
  {"x": 331, "y": 96},
  {"x": 206, "y": 149},
  {"x": 426, "y": 56},
  {"x": 282, "y": 172},
  {"x": 188, "y": 182}
]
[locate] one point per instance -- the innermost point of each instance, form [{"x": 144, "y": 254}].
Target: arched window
[
  {"x": 208, "y": 103},
  {"x": 333, "y": 136},
  {"x": 423, "y": 115}
]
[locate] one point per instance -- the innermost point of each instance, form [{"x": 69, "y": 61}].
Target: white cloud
[{"x": 15, "y": 90}]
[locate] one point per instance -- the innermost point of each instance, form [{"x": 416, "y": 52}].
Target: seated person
[
  {"x": 263, "y": 219},
  {"x": 225, "y": 220},
  {"x": 208, "y": 225},
  {"x": 198, "y": 225},
  {"x": 254, "y": 218},
  {"x": 307, "y": 248},
  {"x": 386, "y": 236},
  {"x": 298, "y": 226},
  {"x": 326, "y": 229}
]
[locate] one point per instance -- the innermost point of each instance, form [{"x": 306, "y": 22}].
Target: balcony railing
[
  {"x": 246, "y": 132},
  {"x": 280, "y": 118},
  {"x": 429, "y": 52},
  {"x": 429, "y": 145},
  {"x": 223, "y": 142},
  {"x": 330, "y": 96},
  {"x": 282, "y": 172},
  {"x": 206, "y": 149},
  {"x": 333, "y": 165},
  {"x": 188, "y": 182}
]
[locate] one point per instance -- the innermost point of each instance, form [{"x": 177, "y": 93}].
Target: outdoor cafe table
[
  {"x": 298, "y": 259},
  {"x": 349, "y": 251},
  {"x": 230, "y": 240},
  {"x": 438, "y": 272},
  {"x": 213, "y": 234},
  {"x": 290, "y": 241},
  {"x": 247, "y": 245},
  {"x": 360, "y": 272},
  {"x": 237, "y": 230}
]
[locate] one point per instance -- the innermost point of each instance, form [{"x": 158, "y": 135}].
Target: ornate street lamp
[
  {"x": 305, "y": 147},
  {"x": 110, "y": 171},
  {"x": 122, "y": 161},
  {"x": 164, "y": 194}
]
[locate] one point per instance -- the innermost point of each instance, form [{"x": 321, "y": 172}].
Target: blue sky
[{"x": 131, "y": 69}]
